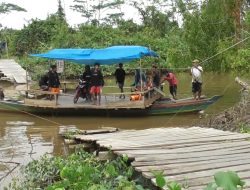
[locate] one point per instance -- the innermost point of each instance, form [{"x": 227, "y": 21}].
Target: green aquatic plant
[
  {"x": 227, "y": 180},
  {"x": 70, "y": 134},
  {"x": 244, "y": 128},
  {"x": 162, "y": 182},
  {"x": 78, "y": 171}
]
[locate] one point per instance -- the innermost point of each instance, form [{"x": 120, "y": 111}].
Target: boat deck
[
  {"x": 190, "y": 156},
  {"x": 107, "y": 102}
]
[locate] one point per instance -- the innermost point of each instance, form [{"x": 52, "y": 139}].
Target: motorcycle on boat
[{"x": 81, "y": 91}]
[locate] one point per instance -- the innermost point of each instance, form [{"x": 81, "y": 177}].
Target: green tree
[
  {"x": 96, "y": 11},
  {"x": 8, "y": 7},
  {"x": 60, "y": 11}
]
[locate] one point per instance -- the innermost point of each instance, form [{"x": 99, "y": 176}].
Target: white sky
[{"x": 42, "y": 8}]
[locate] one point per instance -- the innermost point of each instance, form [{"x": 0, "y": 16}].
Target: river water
[{"x": 26, "y": 137}]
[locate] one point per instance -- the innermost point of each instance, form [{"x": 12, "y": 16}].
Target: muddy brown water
[{"x": 25, "y": 137}]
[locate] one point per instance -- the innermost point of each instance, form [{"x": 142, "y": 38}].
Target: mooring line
[
  {"x": 225, "y": 50},
  {"x": 42, "y": 118}
]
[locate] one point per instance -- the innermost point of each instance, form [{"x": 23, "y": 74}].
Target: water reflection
[{"x": 22, "y": 141}]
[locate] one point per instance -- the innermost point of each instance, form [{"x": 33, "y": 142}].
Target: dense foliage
[
  {"x": 78, "y": 171},
  {"x": 179, "y": 30}
]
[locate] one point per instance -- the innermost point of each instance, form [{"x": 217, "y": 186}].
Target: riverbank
[{"x": 236, "y": 118}]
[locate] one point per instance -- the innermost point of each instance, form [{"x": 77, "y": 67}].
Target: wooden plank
[
  {"x": 155, "y": 137},
  {"x": 159, "y": 131},
  {"x": 163, "y": 143},
  {"x": 191, "y": 169},
  {"x": 198, "y": 148},
  {"x": 173, "y": 133},
  {"x": 150, "y": 140},
  {"x": 170, "y": 154},
  {"x": 99, "y": 131},
  {"x": 184, "y": 156},
  {"x": 198, "y": 174},
  {"x": 195, "y": 163},
  {"x": 183, "y": 160}
]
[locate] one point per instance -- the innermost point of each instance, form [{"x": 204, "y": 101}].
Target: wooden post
[{"x": 141, "y": 81}]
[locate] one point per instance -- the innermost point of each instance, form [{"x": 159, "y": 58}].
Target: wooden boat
[
  {"x": 169, "y": 106},
  {"x": 110, "y": 105},
  {"x": 150, "y": 102}
]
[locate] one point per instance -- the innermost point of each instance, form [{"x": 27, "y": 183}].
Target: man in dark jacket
[
  {"x": 120, "y": 78},
  {"x": 53, "y": 81},
  {"x": 43, "y": 82}
]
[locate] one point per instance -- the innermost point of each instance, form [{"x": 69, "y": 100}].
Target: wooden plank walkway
[
  {"x": 13, "y": 71},
  {"x": 190, "y": 156}
]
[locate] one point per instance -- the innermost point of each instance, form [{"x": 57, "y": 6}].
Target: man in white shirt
[{"x": 196, "y": 72}]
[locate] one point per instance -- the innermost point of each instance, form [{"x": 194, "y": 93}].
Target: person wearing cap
[
  {"x": 120, "y": 78},
  {"x": 196, "y": 72},
  {"x": 97, "y": 83},
  {"x": 172, "y": 80},
  {"x": 53, "y": 80}
]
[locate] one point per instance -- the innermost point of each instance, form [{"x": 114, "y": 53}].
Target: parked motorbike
[{"x": 81, "y": 91}]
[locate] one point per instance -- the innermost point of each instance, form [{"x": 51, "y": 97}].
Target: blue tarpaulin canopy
[{"x": 106, "y": 56}]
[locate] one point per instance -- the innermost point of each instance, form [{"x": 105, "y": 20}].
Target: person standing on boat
[
  {"x": 97, "y": 83},
  {"x": 120, "y": 78},
  {"x": 86, "y": 76},
  {"x": 44, "y": 82},
  {"x": 140, "y": 80},
  {"x": 196, "y": 72},
  {"x": 155, "y": 76},
  {"x": 53, "y": 80},
  {"x": 172, "y": 80}
]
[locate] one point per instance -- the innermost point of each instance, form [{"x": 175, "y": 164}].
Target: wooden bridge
[
  {"x": 190, "y": 156},
  {"x": 12, "y": 71}
]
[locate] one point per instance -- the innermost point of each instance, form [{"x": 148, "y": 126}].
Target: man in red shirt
[{"x": 172, "y": 80}]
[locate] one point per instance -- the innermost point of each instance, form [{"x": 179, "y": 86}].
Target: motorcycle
[{"x": 81, "y": 91}]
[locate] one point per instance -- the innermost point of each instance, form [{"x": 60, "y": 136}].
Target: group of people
[
  {"x": 196, "y": 73},
  {"x": 94, "y": 81}
]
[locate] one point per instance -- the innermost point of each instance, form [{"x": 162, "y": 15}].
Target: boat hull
[
  {"x": 160, "y": 107},
  {"x": 181, "y": 106}
]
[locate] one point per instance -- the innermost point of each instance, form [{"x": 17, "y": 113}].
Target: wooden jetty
[
  {"x": 12, "y": 71},
  {"x": 190, "y": 156}
]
